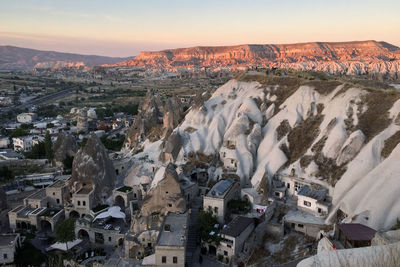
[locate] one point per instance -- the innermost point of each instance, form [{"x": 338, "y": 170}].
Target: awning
[{"x": 114, "y": 211}]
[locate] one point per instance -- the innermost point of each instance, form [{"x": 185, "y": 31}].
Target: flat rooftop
[
  {"x": 174, "y": 230},
  {"x": 307, "y": 191},
  {"x": 357, "y": 231},
  {"x": 221, "y": 188},
  {"x": 38, "y": 194},
  {"x": 7, "y": 239},
  {"x": 237, "y": 226},
  {"x": 115, "y": 224},
  {"x": 25, "y": 211},
  {"x": 84, "y": 190},
  {"x": 50, "y": 212},
  {"x": 303, "y": 217},
  {"x": 58, "y": 183}
]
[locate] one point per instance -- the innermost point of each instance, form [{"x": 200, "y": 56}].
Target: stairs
[{"x": 193, "y": 237}]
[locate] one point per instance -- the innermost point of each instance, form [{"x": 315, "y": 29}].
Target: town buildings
[
  {"x": 234, "y": 235},
  {"x": 9, "y": 243},
  {"x": 171, "y": 243},
  {"x": 218, "y": 197}
]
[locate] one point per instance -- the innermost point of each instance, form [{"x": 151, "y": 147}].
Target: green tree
[
  {"x": 68, "y": 162},
  {"x": 18, "y": 132},
  {"x": 26, "y": 126},
  {"x": 38, "y": 151},
  {"x": 49, "y": 125},
  {"x": 48, "y": 146},
  {"x": 205, "y": 226},
  {"x": 65, "y": 231}
]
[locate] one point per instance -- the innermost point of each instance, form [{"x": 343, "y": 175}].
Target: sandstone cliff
[{"x": 361, "y": 57}]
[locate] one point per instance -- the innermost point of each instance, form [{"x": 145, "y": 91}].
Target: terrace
[
  {"x": 50, "y": 212},
  {"x": 84, "y": 190},
  {"x": 25, "y": 211},
  {"x": 125, "y": 189}
]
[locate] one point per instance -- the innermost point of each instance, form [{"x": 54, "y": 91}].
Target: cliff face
[
  {"x": 339, "y": 57},
  {"x": 342, "y": 136},
  {"x": 17, "y": 58}
]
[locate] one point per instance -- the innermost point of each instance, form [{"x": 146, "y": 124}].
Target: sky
[{"x": 126, "y": 27}]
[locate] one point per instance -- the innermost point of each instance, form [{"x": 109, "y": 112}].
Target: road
[{"x": 41, "y": 100}]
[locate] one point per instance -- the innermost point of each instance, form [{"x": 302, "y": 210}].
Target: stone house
[
  {"x": 234, "y": 235},
  {"x": 32, "y": 219},
  {"x": 8, "y": 246},
  {"x": 57, "y": 194},
  {"x": 23, "y": 144},
  {"x": 124, "y": 195},
  {"x": 293, "y": 183},
  {"x": 108, "y": 228},
  {"x": 304, "y": 222},
  {"x": 219, "y": 195},
  {"x": 313, "y": 200},
  {"x": 354, "y": 235},
  {"x": 40, "y": 210},
  {"x": 82, "y": 201},
  {"x": 171, "y": 244}
]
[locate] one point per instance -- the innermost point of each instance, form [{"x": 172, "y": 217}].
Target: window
[
  {"x": 167, "y": 227},
  {"x": 58, "y": 201},
  {"x": 288, "y": 185},
  {"x": 109, "y": 238},
  {"x": 216, "y": 209},
  {"x": 175, "y": 259},
  {"x": 319, "y": 210},
  {"x": 229, "y": 246},
  {"x": 143, "y": 239},
  {"x": 307, "y": 203},
  {"x": 54, "y": 194},
  {"x": 79, "y": 202},
  {"x": 84, "y": 203},
  {"x": 5, "y": 256},
  {"x": 166, "y": 192},
  {"x": 277, "y": 194},
  {"x": 225, "y": 253},
  {"x": 300, "y": 225},
  {"x": 169, "y": 205},
  {"x": 164, "y": 259}
]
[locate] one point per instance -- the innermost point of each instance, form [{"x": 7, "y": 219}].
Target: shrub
[
  {"x": 238, "y": 205},
  {"x": 376, "y": 118},
  {"x": 283, "y": 129},
  {"x": 390, "y": 144},
  {"x": 302, "y": 136}
]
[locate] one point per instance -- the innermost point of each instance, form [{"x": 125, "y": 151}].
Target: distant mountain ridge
[
  {"x": 17, "y": 58},
  {"x": 356, "y": 57}
]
